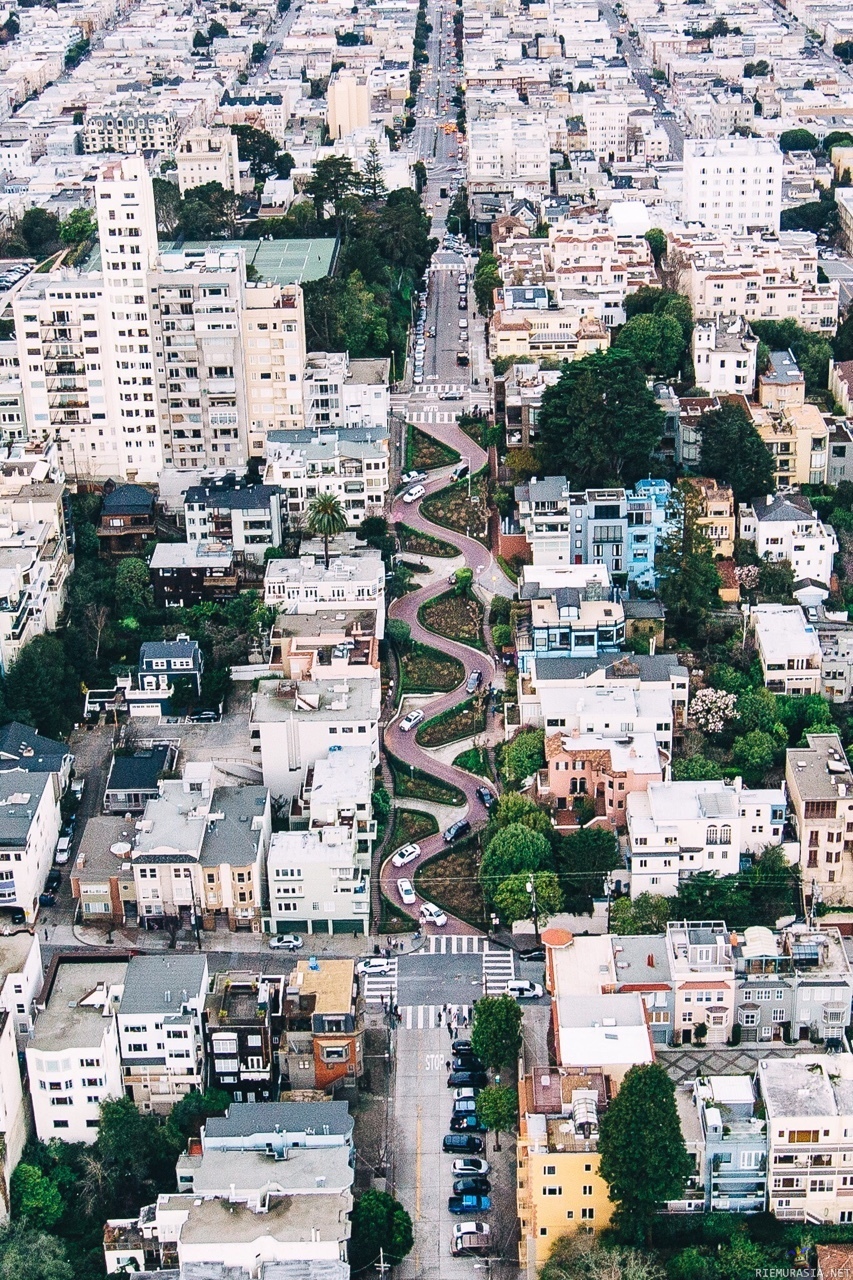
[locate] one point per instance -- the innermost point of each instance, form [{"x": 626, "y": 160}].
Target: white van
[{"x": 63, "y": 851}]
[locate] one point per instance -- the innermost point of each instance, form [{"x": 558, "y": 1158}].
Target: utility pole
[
  {"x": 382, "y": 1266},
  {"x": 531, "y": 889}
]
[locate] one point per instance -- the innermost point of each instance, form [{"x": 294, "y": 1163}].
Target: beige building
[
  {"x": 273, "y": 322},
  {"x": 820, "y": 786},
  {"x": 545, "y": 333},
  {"x": 718, "y": 519},
  {"x": 208, "y": 155},
  {"x": 782, "y": 385},
  {"x": 797, "y": 439},
  {"x": 348, "y": 97},
  {"x": 702, "y": 970}
]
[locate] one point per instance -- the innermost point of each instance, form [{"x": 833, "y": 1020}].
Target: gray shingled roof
[
  {"x": 139, "y": 772},
  {"x": 23, "y": 747},
  {"x": 231, "y": 839},
  {"x": 256, "y": 497},
  {"x": 783, "y": 509},
  {"x": 127, "y": 499},
  {"x": 168, "y": 649},
  {"x": 660, "y": 667},
  {"x": 150, "y": 978},
  {"x": 247, "y": 1118}
]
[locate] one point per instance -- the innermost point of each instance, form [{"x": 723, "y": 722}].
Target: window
[
  {"x": 587, "y": 1190},
  {"x": 550, "y": 1170},
  {"x": 587, "y": 1214},
  {"x": 552, "y": 1191}
]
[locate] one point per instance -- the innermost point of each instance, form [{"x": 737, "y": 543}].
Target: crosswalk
[
  {"x": 498, "y": 971},
  {"x": 427, "y": 416},
  {"x": 439, "y": 388},
  {"x": 442, "y": 944},
  {"x": 422, "y": 1017},
  {"x": 380, "y": 988}
]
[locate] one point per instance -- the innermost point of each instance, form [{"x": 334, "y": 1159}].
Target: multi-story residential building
[
  {"x": 836, "y": 663},
  {"x": 337, "y": 792},
  {"x": 21, "y": 980},
  {"x": 160, "y": 1029},
  {"x": 127, "y": 519},
  {"x": 14, "y": 1117},
  {"x": 724, "y": 1131},
  {"x": 610, "y": 709},
  {"x": 208, "y": 155},
  {"x": 29, "y": 830},
  {"x": 782, "y": 384},
  {"x": 786, "y": 527},
  {"x": 820, "y": 786},
  {"x": 788, "y": 649},
  {"x": 573, "y": 610},
  {"x": 595, "y": 258},
  {"x": 506, "y": 151},
  {"x": 341, "y": 392},
  {"x": 322, "y": 1038},
  {"x": 719, "y": 113},
  {"x": 676, "y": 829},
  {"x": 717, "y": 521},
  {"x": 73, "y": 1058},
  {"x": 306, "y": 587},
  {"x": 518, "y": 400},
  {"x": 355, "y": 470},
  {"x": 809, "y": 1116},
  {"x": 724, "y": 350},
  {"x": 601, "y": 768},
  {"x": 187, "y": 573},
  {"x": 294, "y": 722},
  {"x": 702, "y": 969},
  {"x": 162, "y": 662},
  {"x": 797, "y": 439},
  {"x": 21, "y": 747},
  {"x": 134, "y": 777},
  {"x": 525, "y": 329},
  {"x": 793, "y": 985},
  {"x": 349, "y": 103},
  {"x": 273, "y": 321},
  {"x": 243, "y": 1018},
  {"x": 318, "y": 881},
  {"x": 35, "y": 563},
  {"x": 247, "y": 518},
  {"x": 129, "y": 126},
  {"x": 733, "y": 183},
  {"x": 560, "y": 1190}
]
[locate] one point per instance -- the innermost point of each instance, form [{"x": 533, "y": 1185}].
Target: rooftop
[
  {"x": 19, "y": 743},
  {"x": 74, "y": 1017},
  {"x": 783, "y": 369},
  {"x": 326, "y": 1170},
  {"x": 283, "y": 700},
  {"x": 820, "y": 770},
  {"x": 230, "y": 836},
  {"x": 783, "y": 633},
  {"x": 637, "y": 666},
  {"x": 252, "y": 1120},
  {"x": 127, "y": 499},
  {"x": 306, "y": 1219},
  {"x": 20, "y": 795},
  {"x": 803, "y": 1087},
  {"x": 191, "y": 555},
  {"x": 160, "y": 984},
  {"x": 307, "y": 569},
  {"x": 14, "y": 951},
  {"x": 330, "y": 983},
  {"x": 139, "y": 771}
]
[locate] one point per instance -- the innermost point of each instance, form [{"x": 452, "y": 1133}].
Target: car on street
[
  {"x": 407, "y": 893},
  {"x": 63, "y": 850},
  {"x": 408, "y": 722},
  {"x": 456, "y": 829},
  {"x": 470, "y": 1167},
  {"x": 469, "y": 1078},
  {"x": 467, "y": 1092},
  {"x": 469, "y": 1204},
  {"x": 451, "y": 395},
  {"x": 472, "y": 1186},
  {"x": 523, "y": 989},
  {"x": 376, "y": 964},
  {"x": 53, "y": 881},
  {"x": 418, "y": 377},
  {"x": 466, "y": 1062},
  {"x": 409, "y": 477},
  {"x": 465, "y": 1107},
  {"x": 431, "y": 914},
  {"x": 472, "y": 1228},
  {"x": 463, "y": 323},
  {"x": 532, "y": 954},
  {"x": 414, "y": 494},
  {"x": 407, "y": 853},
  {"x": 461, "y": 1046},
  {"x": 486, "y": 797},
  {"x": 469, "y": 1143},
  {"x": 286, "y": 942},
  {"x": 47, "y": 899},
  {"x": 472, "y": 684}
]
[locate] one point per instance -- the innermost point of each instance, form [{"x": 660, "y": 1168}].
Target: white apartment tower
[
  {"x": 273, "y": 322},
  {"x": 733, "y": 183}
]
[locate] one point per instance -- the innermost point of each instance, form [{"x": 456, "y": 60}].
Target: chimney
[
  {"x": 650, "y": 960},
  {"x": 769, "y": 499}
]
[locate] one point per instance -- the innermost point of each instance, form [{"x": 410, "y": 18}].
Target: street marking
[
  {"x": 426, "y": 1016},
  {"x": 381, "y": 988},
  {"x": 418, "y": 1165},
  {"x": 498, "y": 971}
]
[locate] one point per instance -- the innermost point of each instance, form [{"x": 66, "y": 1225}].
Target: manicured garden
[
  {"x": 409, "y": 825},
  {"x": 425, "y": 453},
  {"x": 415, "y": 543},
  {"x": 456, "y": 509},
  {"x": 475, "y": 760},
  {"x": 455, "y": 617},
  {"x": 453, "y": 725},
  {"x": 411, "y": 783},
  {"x": 450, "y": 880},
  {"x": 426, "y": 670}
]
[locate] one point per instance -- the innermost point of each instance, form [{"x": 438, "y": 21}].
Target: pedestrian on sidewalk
[{"x": 438, "y": 1018}]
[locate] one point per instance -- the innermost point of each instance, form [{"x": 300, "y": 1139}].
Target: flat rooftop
[
  {"x": 807, "y": 1086},
  {"x": 230, "y": 838},
  {"x": 331, "y": 984},
  {"x": 157, "y": 984},
  {"x": 66, "y": 1022},
  {"x": 817, "y": 769},
  {"x": 297, "y": 1218},
  {"x": 14, "y": 950},
  {"x": 215, "y": 1171},
  {"x": 283, "y": 700}
]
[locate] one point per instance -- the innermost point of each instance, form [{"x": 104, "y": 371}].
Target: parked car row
[{"x": 471, "y": 1186}]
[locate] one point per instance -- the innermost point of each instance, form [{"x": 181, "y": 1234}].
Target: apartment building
[
  {"x": 294, "y": 722},
  {"x": 786, "y": 527},
  {"x": 73, "y": 1058},
  {"x": 547, "y": 679},
  {"x": 35, "y": 563},
  {"x": 610, "y": 710},
  {"x": 719, "y": 113},
  {"x": 273, "y": 324},
  {"x": 820, "y": 786},
  {"x": 717, "y": 521},
  {"x": 725, "y": 1132},
  {"x": 21, "y": 980},
  {"x": 807, "y": 1101},
  {"x": 724, "y": 351},
  {"x": 355, "y": 470},
  {"x": 187, "y": 573},
  {"x": 569, "y": 611},
  {"x": 782, "y": 384},
  {"x": 160, "y": 1029},
  {"x": 208, "y": 155},
  {"x": 525, "y": 329},
  {"x": 242, "y": 1019},
  {"x": 506, "y": 151},
  {"x": 337, "y": 792},
  {"x": 597, "y": 768},
  {"x": 14, "y": 1114},
  {"x": 733, "y": 183},
  {"x": 306, "y": 587},
  {"x": 245, "y": 517},
  {"x": 593, "y": 1032},
  {"x": 795, "y": 985},
  {"x": 797, "y": 439},
  {"x": 29, "y": 830},
  {"x": 676, "y": 829},
  {"x": 836, "y": 667},
  {"x": 788, "y": 649},
  {"x": 318, "y": 882},
  {"x": 702, "y": 969},
  {"x": 349, "y": 103},
  {"x": 341, "y": 392},
  {"x": 130, "y": 126},
  {"x": 322, "y": 1039}
]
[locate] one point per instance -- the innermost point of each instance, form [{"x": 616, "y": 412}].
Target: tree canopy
[
  {"x": 514, "y": 850},
  {"x": 798, "y": 140},
  {"x": 496, "y": 1031},
  {"x": 689, "y": 579},
  {"x": 733, "y": 453},
  {"x": 524, "y": 754},
  {"x": 811, "y": 351},
  {"x": 656, "y": 342},
  {"x": 514, "y": 902},
  {"x": 379, "y": 1222}
]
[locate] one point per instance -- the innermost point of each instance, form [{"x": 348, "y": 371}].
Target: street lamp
[{"x": 531, "y": 889}]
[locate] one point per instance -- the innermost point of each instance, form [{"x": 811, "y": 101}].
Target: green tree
[
  {"x": 497, "y": 1108},
  {"x": 696, "y": 769},
  {"x": 689, "y": 579},
  {"x": 842, "y": 343},
  {"x": 513, "y": 850},
  {"x": 757, "y": 709},
  {"x": 776, "y": 580},
  {"x": 656, "y": 342},
  {"x": 798, "y": 140},
  {"x": 379, "y": 1224},
  {"x": 487, "y": 278},
  {"x": 167, "y": 205},
  {"x": 647, "y": 913},
  {"x": 657, "y": 243},
  {"x": 811, "y": 351},
  {"x": 217, "y": 31},
  {"x": 584, "y": 858},
  {"x": 133, "y": 592},
  {"x": 78, "y": 226},
  {"x": 600, "y": 423},
  {"x": 496, "y": 1031},
  {"x": 258, "y": 147},
  {"x": 284, "y": 164},
  {"x": 39, "y": 229},
  {"x": 582, "y": 1257},
  {"x": 753, "y": 754},
  {"x": 326, "y": 518},
  {"x": 373, "y": 173},
  {"x": 32, "y": 1255},
  {"x": 35, "y": 1198},
  {"x": 419, "y": 171},
  {"x": 640, "y": 1130},
  {"x": 189, "y": 1114},
  {"x": 734, "y": 453},
  {"x": 464, "y": 582},
  {"x": 331, "y": 182},
  {"x": 399, "y": 633},
  {"x": 42, "y": 689},
  {"x": 343, "y": 315},
  {"x": 513, "y": 902},
  {"x": 259, "y": 51},
  {"x": 513, "y": 807},
  {"x": 524, "y": 754}
]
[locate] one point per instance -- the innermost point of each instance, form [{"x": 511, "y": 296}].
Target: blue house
[{"x": 161, "y": 662}]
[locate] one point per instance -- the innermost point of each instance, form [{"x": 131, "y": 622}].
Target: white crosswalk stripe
[
  {"x": 422, "y": 1017},
  {"x": 377, "y": 988},
  {"x": 442, "y": 944},
  {"x": 498, "y": 970}
]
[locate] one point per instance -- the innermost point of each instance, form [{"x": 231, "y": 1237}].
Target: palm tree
[{"x": 326, "y": 517}]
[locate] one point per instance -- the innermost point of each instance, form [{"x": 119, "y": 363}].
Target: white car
[
  {"x": 431, "y": 914},
  {"x": 417, "y": 492},
  {"x": 376, "y": 965},
  {"x": 458, "y": 1094},
  {"x": 286, "y": 942},
  {"x": 470, "y": 1167},
  {"x": 471, "y": 1228},
  {"x": 409, "y": 477},
  {"x": 463, "y": 323},
  {"x": 407, "y": 894},
  {"x": 419, "y": 377},
  {"x": 406, "y": 854},
  {"x": 522, "y": 989},
  {"x": 408, "y": 722}
]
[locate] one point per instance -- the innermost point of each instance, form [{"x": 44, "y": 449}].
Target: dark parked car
[
  {"x": 467, "y": 1062},
  {"x": 533, "y": 953},
  {"x": 486, "y": 797},
  {"x": 460, "y": 1143},
  {"x": 469, "y": 1204},
  {"x": 472, "y": 1186},
  {"x": 17, "y": 915},
  {"x": 53, "y": 881},
  {"x": 467, "y": 1079},
  {"x": 47, "y": 899},
  {"x": 466, "y": 1124},
  {"x": 460, "y": 828},
  {"x": 461, "y": 1046}
]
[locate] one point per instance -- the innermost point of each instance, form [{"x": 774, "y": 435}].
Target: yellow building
[
  {"x": 273, "y": 321},
  {"x": 798, "y": 440},
  {"x": 718, "y": 521},
  {"x": 560, "y": 1191}
]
